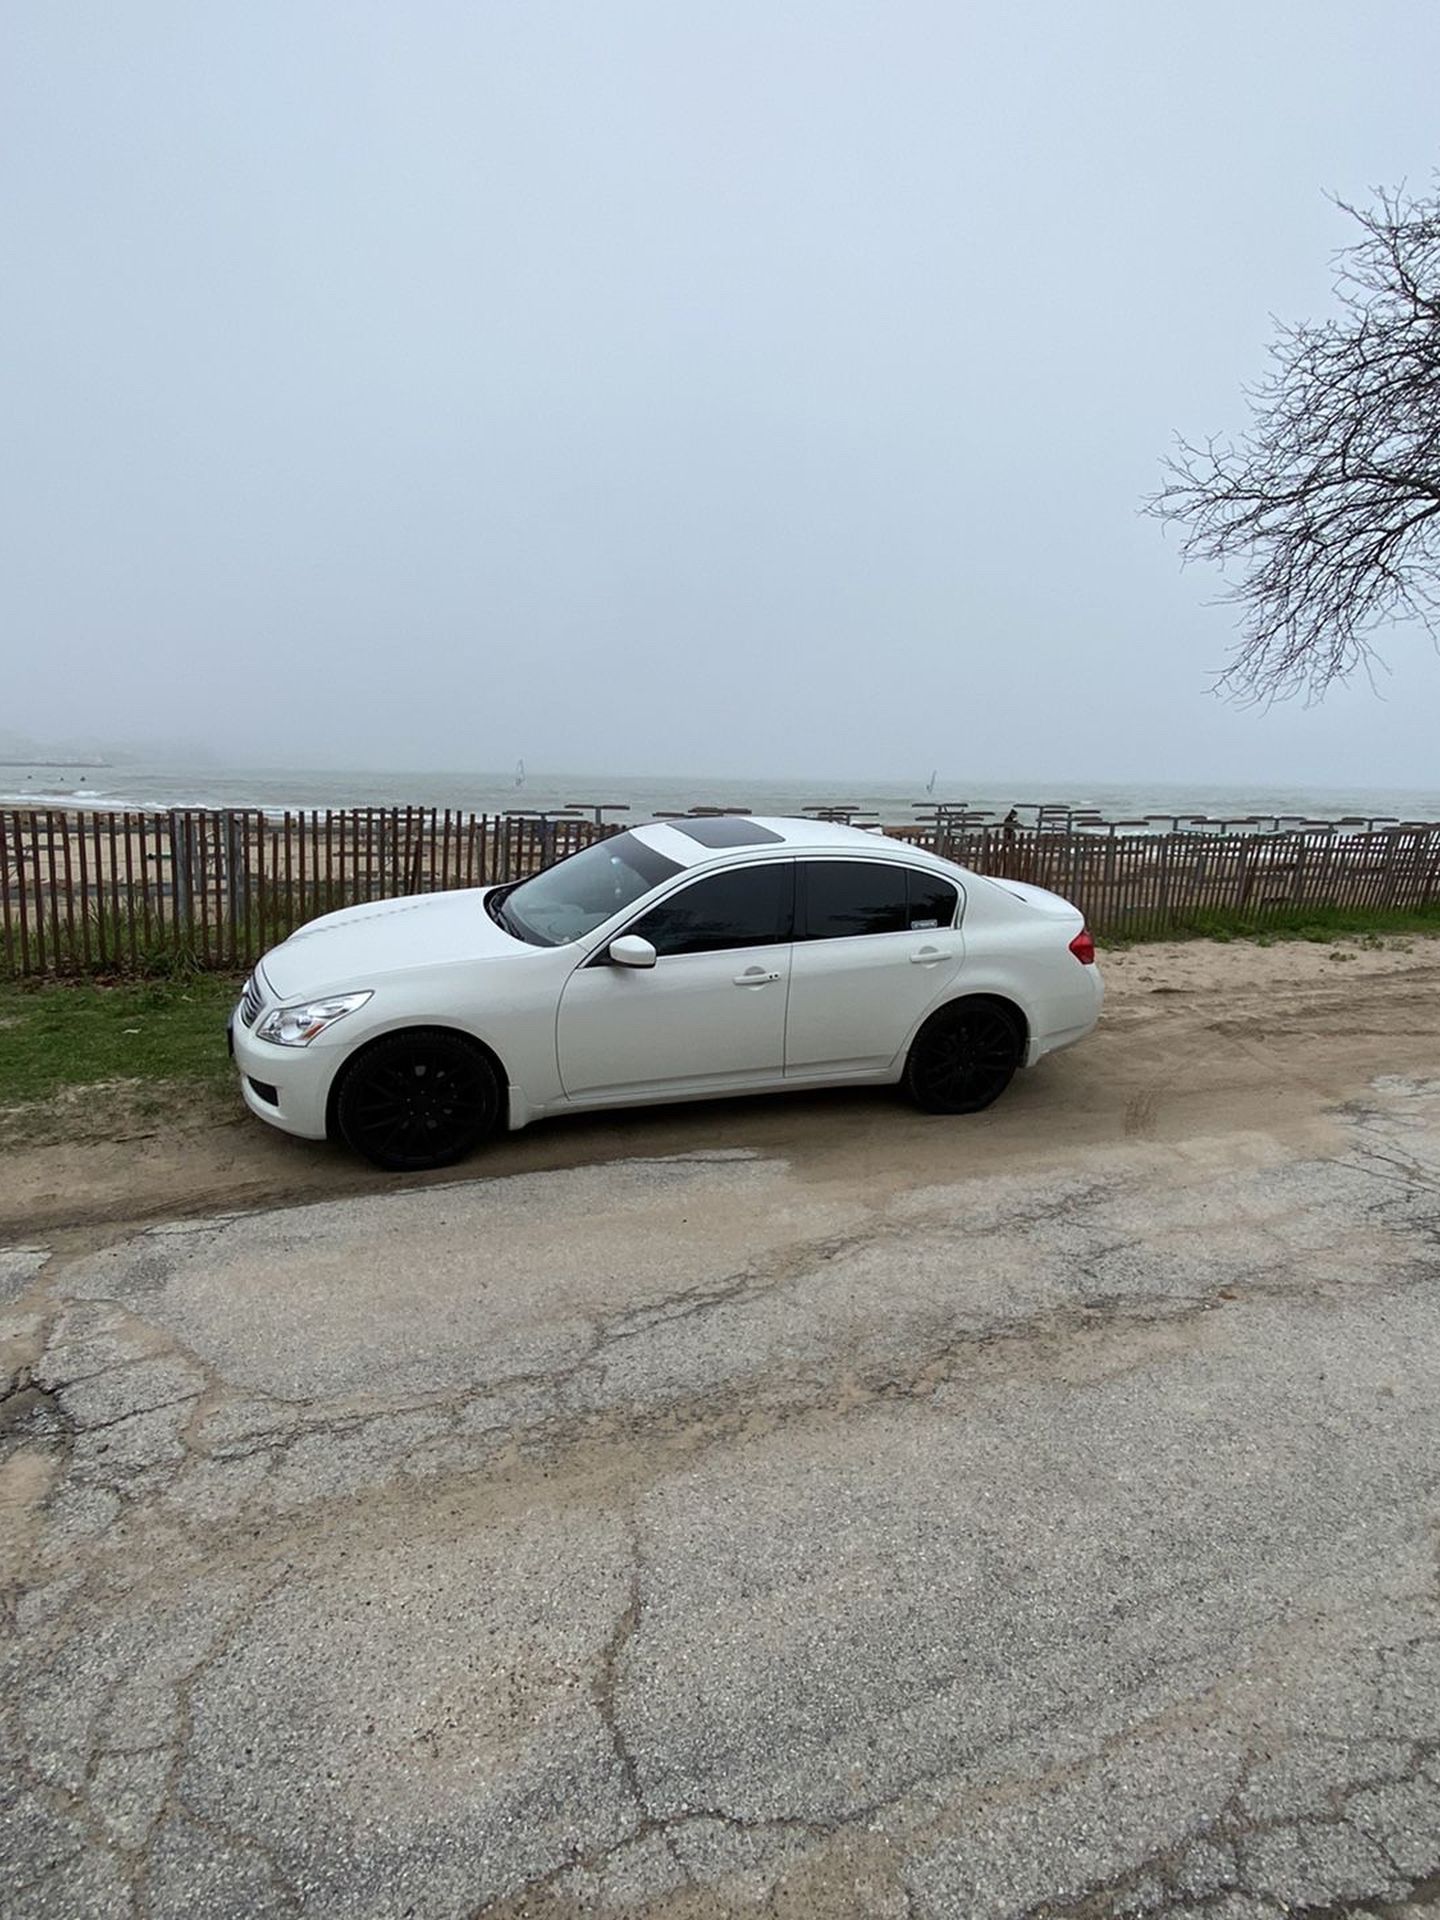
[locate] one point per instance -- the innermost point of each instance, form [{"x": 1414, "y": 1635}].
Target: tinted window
[
  {"x": 932, "y": 900},
  {"x": 846, "y": 897},
  {"x": 746, "y": 907}
]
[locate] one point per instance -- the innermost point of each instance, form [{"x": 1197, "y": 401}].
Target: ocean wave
[
  {"x": 88, "y": 800},
  {"x": 29, "y": 797}
]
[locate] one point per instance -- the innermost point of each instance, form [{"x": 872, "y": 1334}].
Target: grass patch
[
  {"x": 101, "y": 942},
  {"x": 1318, "y": 924},
  {"x": 61, "y": 1035}
]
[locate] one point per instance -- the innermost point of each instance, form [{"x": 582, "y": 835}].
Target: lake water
[{"x": 276, "y": 789}]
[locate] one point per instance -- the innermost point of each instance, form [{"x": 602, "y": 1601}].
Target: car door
[
  {"x": 876, "y": 944},
  {"x": 709, "y": 1015}
]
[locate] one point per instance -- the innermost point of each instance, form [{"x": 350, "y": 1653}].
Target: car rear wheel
[
  {"x": 416, "y": 1100},
  {"x": 963, "y": 1058}
]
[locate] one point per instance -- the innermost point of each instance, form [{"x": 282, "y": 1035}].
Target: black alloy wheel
[
  {"x": 418, "y": 1099},
  {"x": 963, "y": 1058}
]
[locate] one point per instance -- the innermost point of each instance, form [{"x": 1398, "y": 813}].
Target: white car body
[{"x": 568, "y": 1030}]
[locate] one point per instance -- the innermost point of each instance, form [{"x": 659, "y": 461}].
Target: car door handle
[
  {"x": 926, "y": 956},
  {"x": 755, "y": 977}
]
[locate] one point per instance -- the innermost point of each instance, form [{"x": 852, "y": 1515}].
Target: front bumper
[{"x": 298, "y": 1078}]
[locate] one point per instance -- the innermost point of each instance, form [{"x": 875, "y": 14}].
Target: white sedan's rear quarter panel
[{"x": 1018, "y": 948}]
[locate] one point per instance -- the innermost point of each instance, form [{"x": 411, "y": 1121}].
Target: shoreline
[{"x": 634, "y": 797}]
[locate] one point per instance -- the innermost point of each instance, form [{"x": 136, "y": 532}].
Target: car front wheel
[
  {"x": 418, "y": 1099},
  {"x": 963, "y": 1058}
]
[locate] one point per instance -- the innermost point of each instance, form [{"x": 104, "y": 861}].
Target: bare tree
[{"x": 1332, "y": 499}]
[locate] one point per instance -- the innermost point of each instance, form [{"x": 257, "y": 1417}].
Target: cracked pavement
[{"x": 986, "y": 1520}]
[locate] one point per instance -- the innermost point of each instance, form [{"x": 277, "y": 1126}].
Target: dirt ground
[{"x": 1196, "y": 1035}]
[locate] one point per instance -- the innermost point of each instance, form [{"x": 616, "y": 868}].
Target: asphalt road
[{"x": 1027, "y": 1516}]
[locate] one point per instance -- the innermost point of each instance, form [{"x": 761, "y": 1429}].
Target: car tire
[
  {"x": 417, "y": 1099},
  {"x": 964, "y": 1057}
]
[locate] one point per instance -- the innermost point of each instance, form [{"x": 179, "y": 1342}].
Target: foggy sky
[{"x": 743, "y": 387}]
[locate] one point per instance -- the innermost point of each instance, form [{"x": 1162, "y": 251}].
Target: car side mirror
[{"x": 631, "y": 951}]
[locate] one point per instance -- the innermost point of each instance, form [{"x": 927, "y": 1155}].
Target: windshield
[{"x": 570, "y": 900}]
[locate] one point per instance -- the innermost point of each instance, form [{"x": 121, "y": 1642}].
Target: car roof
[{"x": 781, "y": 837}]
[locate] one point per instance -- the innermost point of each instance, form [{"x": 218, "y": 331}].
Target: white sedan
[{"x": 678, "y": 961}]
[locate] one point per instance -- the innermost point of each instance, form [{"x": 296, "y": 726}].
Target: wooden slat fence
[
  {"x": 99, "y": 892},
  {"x": 84, "y": 892},
  {"x": 1147, "y": 884}
]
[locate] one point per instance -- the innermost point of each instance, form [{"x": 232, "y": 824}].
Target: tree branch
[{"x": 1332, "y": 499}]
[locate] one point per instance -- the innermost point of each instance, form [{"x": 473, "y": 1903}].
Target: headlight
[{"x": 298, "y": 1026}]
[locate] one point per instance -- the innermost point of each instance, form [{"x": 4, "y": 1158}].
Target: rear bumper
[
  {"x": 1052, "y": 1042},
  {"x": 1076, "y": 1018}
]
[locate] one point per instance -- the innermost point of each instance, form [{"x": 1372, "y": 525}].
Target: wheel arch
[
  {"x": 447, "y": 1027},
  {"x": 1006, "y": 1003}
]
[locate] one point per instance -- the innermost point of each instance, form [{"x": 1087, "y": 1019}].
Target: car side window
[
  {"x": 843, "y": 898},
  {"x": 848, "y": 897},
  {"x": 932, "y": 900},
  {"x": 741, "y": 907}
]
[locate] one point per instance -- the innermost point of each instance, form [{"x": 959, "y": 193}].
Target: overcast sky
[{"x": 744, "y": 387}]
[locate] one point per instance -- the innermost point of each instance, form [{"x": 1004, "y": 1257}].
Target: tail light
[{"x": 1083, "y": 947}]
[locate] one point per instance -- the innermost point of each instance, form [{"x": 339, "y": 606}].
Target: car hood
[{"x": 354, "y": 947}]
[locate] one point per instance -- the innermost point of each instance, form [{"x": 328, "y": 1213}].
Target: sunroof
[{"x": 725, "y": 831}]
